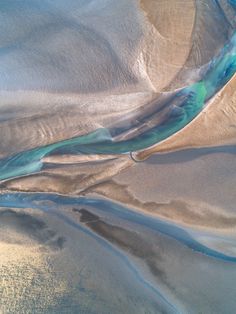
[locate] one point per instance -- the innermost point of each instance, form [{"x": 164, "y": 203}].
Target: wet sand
[{"x": 89, "y": 221}]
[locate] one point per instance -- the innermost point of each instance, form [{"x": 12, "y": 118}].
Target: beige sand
[
  {"x": 215, "y": 126},
  {"x": 169, "y": 39}
]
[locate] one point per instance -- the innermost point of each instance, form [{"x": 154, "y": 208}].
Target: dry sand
[{"x": 169, "y": 39}]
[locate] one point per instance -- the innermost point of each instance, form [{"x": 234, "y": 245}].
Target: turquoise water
[{"x": 193, "y": 98}]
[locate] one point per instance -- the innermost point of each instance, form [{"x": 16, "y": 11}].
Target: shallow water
[{"x": 84, "y": 228}]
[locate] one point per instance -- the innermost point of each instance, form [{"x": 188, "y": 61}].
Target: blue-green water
[{"x": 193, "y": 98}]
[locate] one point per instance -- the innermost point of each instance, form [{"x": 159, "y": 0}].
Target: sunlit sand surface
[
  {"x": 215, "y": 126},
  {"x": 117, "y": 156}
]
